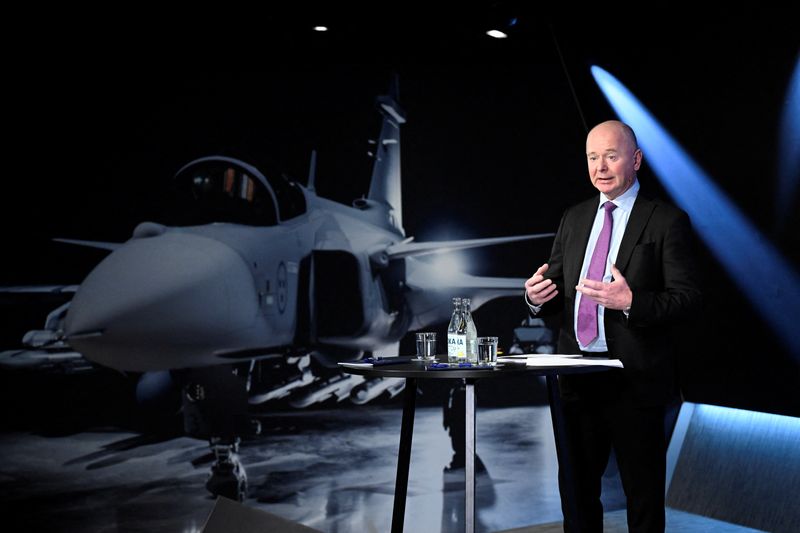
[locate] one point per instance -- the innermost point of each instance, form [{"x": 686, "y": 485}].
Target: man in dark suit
[{"x": 621, "y": 270}]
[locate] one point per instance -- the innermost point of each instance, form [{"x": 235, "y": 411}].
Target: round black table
[{"x": 412, "y": 371}]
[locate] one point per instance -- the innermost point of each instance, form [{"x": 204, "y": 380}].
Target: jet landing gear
[
  {"x": 228, "y": 477},
  {"x": 215, "y": 409}
]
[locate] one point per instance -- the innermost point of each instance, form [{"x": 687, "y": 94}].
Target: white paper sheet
[
  {"x": 531, "y": 355},
  {"x": 356, "y": 365},
  {"x": 551, "y": 360}
]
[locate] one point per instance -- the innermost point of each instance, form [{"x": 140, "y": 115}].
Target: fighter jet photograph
[
  {"x": 184, "y": 274},
  {"x": 268, "y": 270}
]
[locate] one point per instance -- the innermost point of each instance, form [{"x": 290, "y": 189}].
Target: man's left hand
[{"x": 614, "y": 295}]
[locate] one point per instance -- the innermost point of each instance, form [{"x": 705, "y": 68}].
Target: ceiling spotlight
[
  {"x": 320, "y": 28},
  {"x": 501, "y": 21}
]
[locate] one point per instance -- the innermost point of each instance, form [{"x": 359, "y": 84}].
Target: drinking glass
[
  {"x": 426, "y": 344},
  {"x": 487, "y": 349}
]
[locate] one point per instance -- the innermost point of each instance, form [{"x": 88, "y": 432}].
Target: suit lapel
[
  {"x": 580, "y": 239},
  {"x": 640, "y": 214}
]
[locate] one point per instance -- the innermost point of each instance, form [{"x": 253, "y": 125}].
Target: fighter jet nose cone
[{"x": 161, "y": 295}]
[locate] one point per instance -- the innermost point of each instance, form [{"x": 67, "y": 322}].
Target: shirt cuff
[{"x": 534, "y": 308}]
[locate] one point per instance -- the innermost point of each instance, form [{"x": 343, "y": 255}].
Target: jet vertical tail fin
[{"x": 385, "y": 183}]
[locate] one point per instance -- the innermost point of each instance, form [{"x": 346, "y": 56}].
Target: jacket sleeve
[{"x": 555, "y": 272}]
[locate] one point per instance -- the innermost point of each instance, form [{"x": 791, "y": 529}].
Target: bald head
[
  {"x": 618, "y": 127},
  {"x": 613, "y": 157}
]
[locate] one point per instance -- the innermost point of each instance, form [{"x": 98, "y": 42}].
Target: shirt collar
[{"x": 625, "y": 200}]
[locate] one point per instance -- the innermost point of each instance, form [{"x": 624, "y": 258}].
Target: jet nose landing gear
[{"x": 228, "y": 478}]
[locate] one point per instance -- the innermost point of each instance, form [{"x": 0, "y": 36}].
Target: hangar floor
[{"x": 332, "y": 469}]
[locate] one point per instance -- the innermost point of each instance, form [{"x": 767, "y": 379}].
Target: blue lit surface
[
  {"x": 775, "y": 433},
  {"x": 738, "y": 466},
  {"x": 789, "y": 155},
  {"x": 774, "y": 438},
  {"x": 754, "y": 265}
]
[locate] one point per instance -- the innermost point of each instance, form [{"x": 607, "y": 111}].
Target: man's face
[{"x": 612, "y": 158}]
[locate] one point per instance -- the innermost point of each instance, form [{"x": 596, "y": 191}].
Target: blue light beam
[
  {"x": 753, "y": 264},
  {"x": 789, "y": 155}
]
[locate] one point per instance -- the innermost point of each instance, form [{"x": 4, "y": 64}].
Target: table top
[{"x": 421, "y": 369}]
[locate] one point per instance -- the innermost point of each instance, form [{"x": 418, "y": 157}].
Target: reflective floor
[
  {"x": 330, "y": 469},
  {"x": 333, "y": 470}
]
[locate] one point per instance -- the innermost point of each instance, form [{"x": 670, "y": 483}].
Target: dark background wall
[{"x": 493, "y": 144}]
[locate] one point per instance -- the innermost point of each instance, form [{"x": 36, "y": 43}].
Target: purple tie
[{"x": 587, "y": 310}]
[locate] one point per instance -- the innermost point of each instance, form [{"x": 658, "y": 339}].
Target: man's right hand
[{"x": 538, "y": 289}]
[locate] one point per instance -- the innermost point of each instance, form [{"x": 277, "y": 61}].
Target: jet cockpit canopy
[{"x": 223, "y": 189}]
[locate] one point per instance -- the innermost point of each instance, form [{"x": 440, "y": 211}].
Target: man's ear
[{"x": 637, "y": 159}]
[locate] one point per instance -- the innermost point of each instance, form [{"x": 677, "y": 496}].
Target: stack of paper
[
  {"x": 559, "y": 360},
  {"x": 356, "y": 365}
]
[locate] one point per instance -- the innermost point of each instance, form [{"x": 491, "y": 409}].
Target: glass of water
[
  {"x": 487, "y": 349},
  {"x": 426, "y": 345}
]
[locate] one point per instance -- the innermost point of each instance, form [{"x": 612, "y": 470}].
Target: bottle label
[{"x": 456, "y": 347}]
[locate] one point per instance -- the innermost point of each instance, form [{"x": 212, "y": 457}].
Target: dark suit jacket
[{"x": 656, "y": 259}]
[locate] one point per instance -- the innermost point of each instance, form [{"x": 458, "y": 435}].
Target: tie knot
[{"x": 609, "y": 206}]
